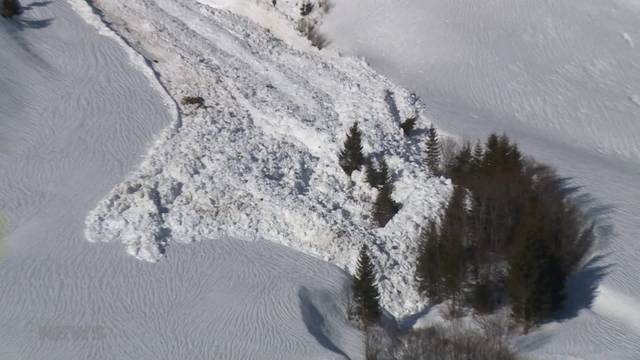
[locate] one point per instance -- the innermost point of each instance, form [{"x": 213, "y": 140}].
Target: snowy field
[
  {"x": 77, "y": 113},
  {"x": 563, "y": 79}
]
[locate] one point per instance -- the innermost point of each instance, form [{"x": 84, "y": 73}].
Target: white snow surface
[
  {"x": 260, "y": 161},
  {"x": 562, "y": 78},
  {"x": 77, "y": 111}
]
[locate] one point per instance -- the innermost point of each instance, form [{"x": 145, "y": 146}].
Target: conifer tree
[
  {"x": 428, "y": 266},
  {"x": 365, "y": 290},
  {"x": 433, "y": 151},
  {"x": 536, "y": 280},
  {"x": 351, "y": 157},
  {"x": 376, "y": 177},
  {"x": 384, "y": 208},
  {"x": 476, "y": 160},
  {"x": 461, "y": 163},
  {"x": 371, "y": 173},
  {"x": 305, "y": 8},
  {"x": 383, "y": 172},
  {"x": 10, "y": 8},
  {"x": 408, "y": 125},
  {"x": 453, "y": 240}
]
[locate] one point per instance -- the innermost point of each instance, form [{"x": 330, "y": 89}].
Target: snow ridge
[{"x": 260, "y": 160}]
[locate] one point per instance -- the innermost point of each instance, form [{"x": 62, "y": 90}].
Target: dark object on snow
[
  {"x": 408, "y": 125},
  {"x": 433, "y": 151},
  {"x": 306, "y": 8},
  {"x": 351, "y": 157},
  {"x": 365, "y": 290},
  {"x": 10, "y": 8},
  {"x": 192, "y": 100}
]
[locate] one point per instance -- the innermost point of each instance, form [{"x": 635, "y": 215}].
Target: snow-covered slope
[
  {"x": 76, "y": 115},
  {"x": 260, "y": 160},
  {"x": 563, "y": 79}
]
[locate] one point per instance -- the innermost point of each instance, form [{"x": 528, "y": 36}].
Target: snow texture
[
  {"x": 77, "y": 112},
  {"x": 259, "y": 160},
  {"x": 562, "y": 78}
]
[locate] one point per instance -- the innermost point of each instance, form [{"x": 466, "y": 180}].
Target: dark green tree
[
  {"x": 433, "y": 151},
  {"x": 371, "y": 173},
  {"x": 536, "y": 280},
  {"x": 10, "y": 8},
  {"x": 351, "y": 157},
  {"x": 305, "y": 8},
  {"x": 453, "y": 237},
  {"x": 461, "y": 164},
  {"x": 428, "y": 266},
  {"x": 376, "y": 177},
  {"x": 365, "y": 291},
  {"x": 408, "y": 125},
  {"x": 478, "y": 154},
  {"x": 384, "y": 207}
]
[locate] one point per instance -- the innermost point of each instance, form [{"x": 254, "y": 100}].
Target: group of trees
[
  {"x": 509, "y": 232},
  {"x": 351, "y": 158}
]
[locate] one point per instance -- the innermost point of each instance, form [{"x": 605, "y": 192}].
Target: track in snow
[{"x": 560, "y": 77}]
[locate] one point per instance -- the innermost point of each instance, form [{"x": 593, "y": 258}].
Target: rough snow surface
[
  {"x": 260, "y": 161},
  {"x": 562, "y": 78},
  {"x": 76, "y": 115}
]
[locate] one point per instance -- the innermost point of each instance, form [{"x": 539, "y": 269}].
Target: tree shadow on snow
[
  {"x": 582, "y": 285},
  {"x": 315, "y": 322},
  {"x": 16, "y": 25}
]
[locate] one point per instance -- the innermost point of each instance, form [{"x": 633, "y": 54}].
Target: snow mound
[{"x": 259, "y": 161}]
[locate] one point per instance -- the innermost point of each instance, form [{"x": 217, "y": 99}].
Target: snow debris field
[{"x": 259, "y": 159}]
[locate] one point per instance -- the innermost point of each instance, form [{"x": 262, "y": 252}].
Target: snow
[
  {"x": 77, "y": 113},
  {"x": 561, "y": 78},
  {"x": 259, "y": 162}
]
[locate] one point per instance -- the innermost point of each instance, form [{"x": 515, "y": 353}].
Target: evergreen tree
[
  {"x": 428, "y": 267},
  {"x": 461, "y": 165},
  {"x": 453, "y": 238},
  {"x": 376, "y": 177},
  {"x": 351, "y": 157},
  {"x": 478, "y": 154},
  {"x": 305, "y": 8},
  {"x": 408, "y": 125},
  {"x": 384, "y": 208},
  {"x": 536, "y": 280},
  {"x": 433, "y": 151},
  {"x": 371, "y": 173},
  {"x": 365, "y": 291},
  {"x": 10, "y": 8},
  {"x": 384, "y": 177}
]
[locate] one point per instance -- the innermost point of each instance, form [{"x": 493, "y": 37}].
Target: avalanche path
[
  {"x": 563, "y": 79},
  {"x": 76, "y": 113}
]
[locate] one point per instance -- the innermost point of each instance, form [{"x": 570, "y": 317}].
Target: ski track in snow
[
  {"x": 260, "y": 161},
  {"x": 561, "y": 78},
  {"x": 75, "y": 117}
]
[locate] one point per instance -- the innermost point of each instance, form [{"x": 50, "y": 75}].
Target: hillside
[
  {"x": 562, "y": 79},
  {"x": 259, "y": 160}
]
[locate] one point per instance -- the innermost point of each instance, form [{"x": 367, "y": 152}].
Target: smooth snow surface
[
  {"x": 260, "y": 161},
  {"x": 75, "y": 116},
  {"x": 562, "y": 78}
]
